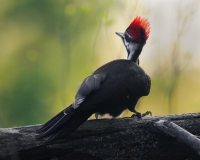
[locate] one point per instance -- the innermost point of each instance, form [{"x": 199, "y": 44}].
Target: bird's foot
[
  {"x": 137, "y": 115},
  {"x": 147, "y": 113},
  {"x": 140, "y": 115}
]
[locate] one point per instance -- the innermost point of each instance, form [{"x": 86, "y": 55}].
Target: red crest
[{"x": 135, "y": 27}]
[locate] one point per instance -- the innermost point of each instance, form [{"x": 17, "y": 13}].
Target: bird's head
[{"x": 135, "y": 36}]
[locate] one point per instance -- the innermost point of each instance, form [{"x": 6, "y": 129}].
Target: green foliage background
[{"x": 37, "y": 42}]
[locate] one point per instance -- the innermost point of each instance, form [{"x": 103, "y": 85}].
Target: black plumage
[{"x": 111, "y": 89}]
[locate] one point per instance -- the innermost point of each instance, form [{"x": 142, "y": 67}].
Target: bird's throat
[{"x": 134, "y": 54}]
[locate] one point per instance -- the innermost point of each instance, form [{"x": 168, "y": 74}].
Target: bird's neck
[{"x": 134, "y": 53}]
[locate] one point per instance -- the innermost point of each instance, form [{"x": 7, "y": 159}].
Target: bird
[{"x": 112, "y": 88}]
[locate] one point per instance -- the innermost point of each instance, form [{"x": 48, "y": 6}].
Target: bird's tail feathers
[
  {"x": 76, "y": 120},
  {"x": 55, "y": 122},
  {"x": 63, "y": 123},
  {"x": 48, "y": 124}
]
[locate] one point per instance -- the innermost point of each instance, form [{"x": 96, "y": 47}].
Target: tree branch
[
  {"x": 105, "y": 139},
  {"x": 181, "y": 135}
]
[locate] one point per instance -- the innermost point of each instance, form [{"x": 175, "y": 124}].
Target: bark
[{"x": 108, "y": 139}]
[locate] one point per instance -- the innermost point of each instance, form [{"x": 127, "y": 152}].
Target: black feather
[
  {"x": 71, "y": 125},
  {"x": 48, "y": 124}
]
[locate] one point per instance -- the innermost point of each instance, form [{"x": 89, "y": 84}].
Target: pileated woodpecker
[{"x": 112, "y": 88}]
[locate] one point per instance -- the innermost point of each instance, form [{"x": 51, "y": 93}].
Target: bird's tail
[{"x": 63, "y": 124}]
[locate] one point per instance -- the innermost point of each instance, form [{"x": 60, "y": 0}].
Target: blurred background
[{"x": 48, "y": 47}]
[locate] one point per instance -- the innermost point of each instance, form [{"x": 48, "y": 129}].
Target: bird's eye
[{"x": 128, "y": 38}]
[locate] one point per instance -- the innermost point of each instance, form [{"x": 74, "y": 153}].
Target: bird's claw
[
  {"x": 147, "y": 113},
  {"x": 139, "y": 115}
]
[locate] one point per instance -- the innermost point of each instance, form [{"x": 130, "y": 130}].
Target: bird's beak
[{"x": 120, "y": 34}]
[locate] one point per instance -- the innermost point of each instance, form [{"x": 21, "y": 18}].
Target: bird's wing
[
  {"x": 68, "y": 120},
  {"x": 91, "y": 84}
]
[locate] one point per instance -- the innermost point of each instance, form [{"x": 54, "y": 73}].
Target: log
[
  {"x": 104, "y": 139},
  {"x": 178, "y": 133}
]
